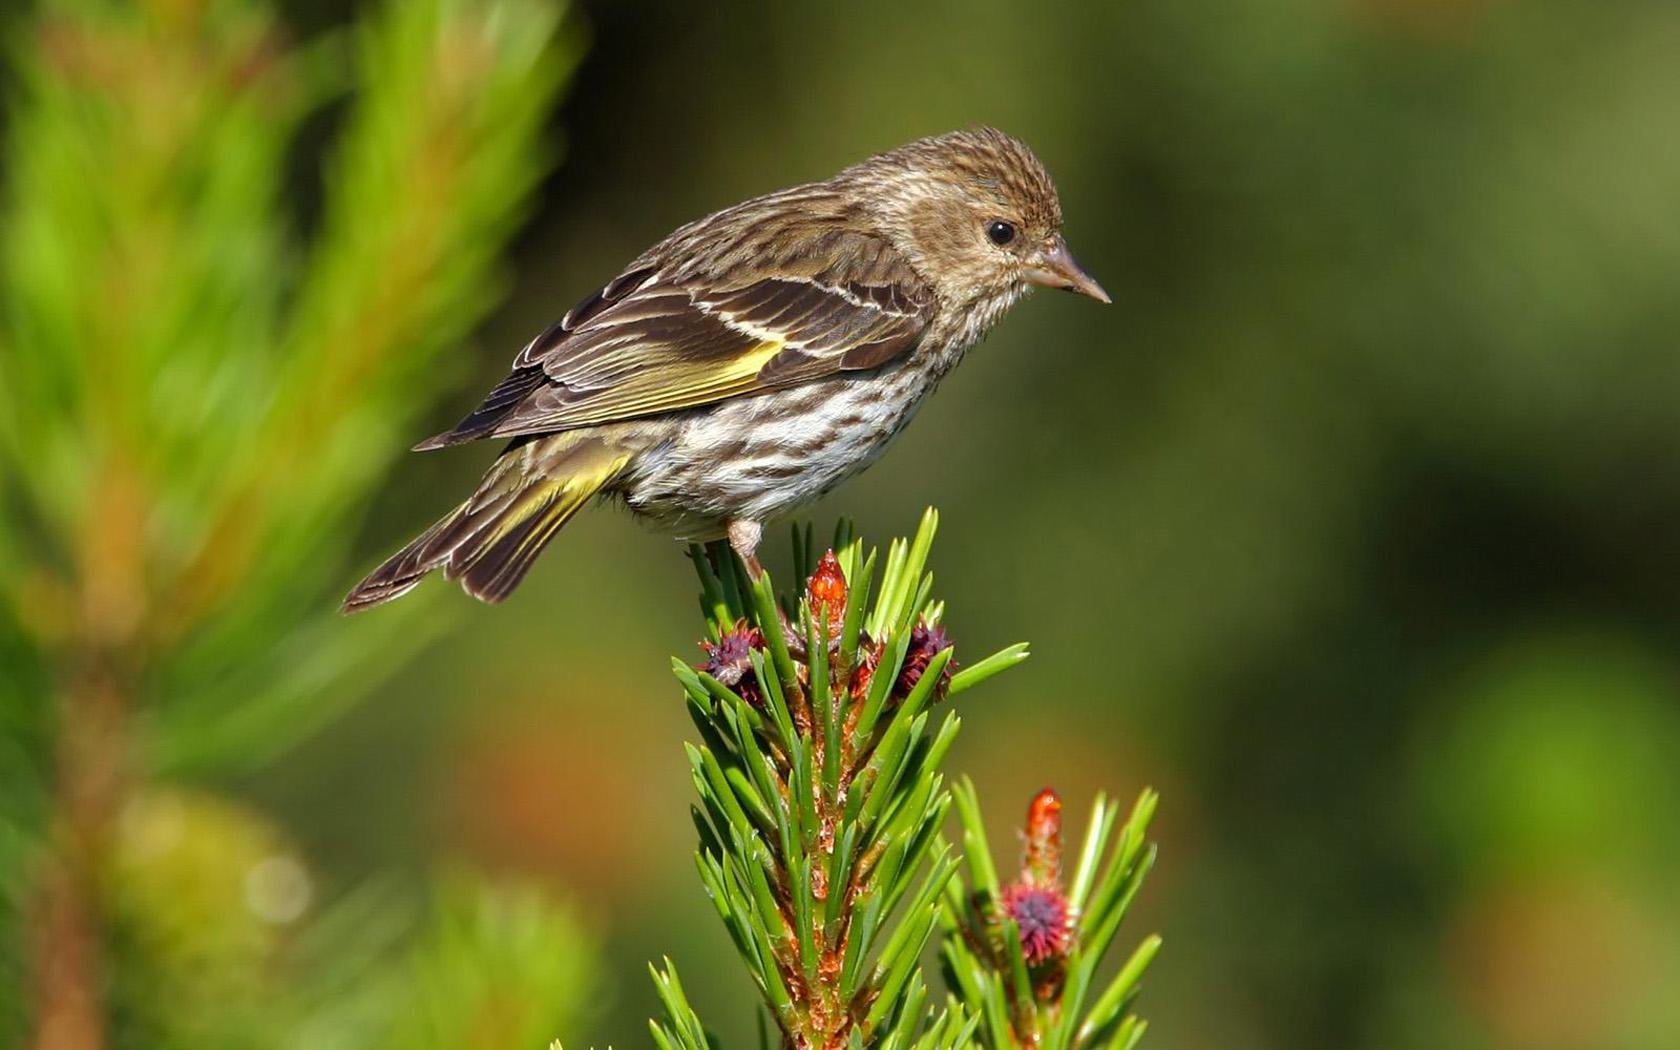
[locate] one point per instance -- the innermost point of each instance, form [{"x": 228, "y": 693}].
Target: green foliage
[
  {"x": 1050, "y": 1005},
  {"x": 193, "y": 403},
  {"x": 214, "y": 942},
  {"x": 822, "y": 803},
  {"x": 433, "y": 169},
  {"x": 198, "y": 388},
  {"x": 484, "y": 968}
]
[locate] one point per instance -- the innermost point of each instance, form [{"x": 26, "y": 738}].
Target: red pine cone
[{"x": 729, "y": 660}]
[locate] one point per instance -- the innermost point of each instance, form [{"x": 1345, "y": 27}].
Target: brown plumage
[{"x": 751, "y": 360}]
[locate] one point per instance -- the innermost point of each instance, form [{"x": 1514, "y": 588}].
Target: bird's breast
[{"x": 758, "y": 457}]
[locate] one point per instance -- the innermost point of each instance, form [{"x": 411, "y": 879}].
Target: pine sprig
[
  {"x": 1024, "y": 956},
  {"x": 820, "y": 816},
  {"x": 820, "y": 800}
]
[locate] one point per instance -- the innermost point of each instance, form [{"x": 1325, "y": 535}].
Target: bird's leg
[{"x": 744, "y": 535}]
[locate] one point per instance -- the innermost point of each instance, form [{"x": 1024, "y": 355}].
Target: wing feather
[{"x": 656, "y": 340}]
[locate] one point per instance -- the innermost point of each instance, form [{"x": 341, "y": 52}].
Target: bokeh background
[{"x": 1350, "y": 526}]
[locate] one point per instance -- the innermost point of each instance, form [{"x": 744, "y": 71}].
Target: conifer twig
[{"x": 821, "y": 805}]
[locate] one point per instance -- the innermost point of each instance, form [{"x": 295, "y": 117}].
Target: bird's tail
[{"x": 490, "y": 541}]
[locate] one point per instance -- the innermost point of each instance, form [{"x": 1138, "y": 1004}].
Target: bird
[{"x": 752, "y": 360}]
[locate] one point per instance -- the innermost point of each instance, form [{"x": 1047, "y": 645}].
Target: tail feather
[
  {"x": 489, "y": 542},
  {"x": 502, "y": 553},
  {"x": 503, "y": 399}
]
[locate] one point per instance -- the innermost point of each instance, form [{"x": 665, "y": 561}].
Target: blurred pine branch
[{"x": 192, "y": 397}]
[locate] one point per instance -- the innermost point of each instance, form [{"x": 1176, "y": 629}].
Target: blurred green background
[{"x": 1350, "y": 526}]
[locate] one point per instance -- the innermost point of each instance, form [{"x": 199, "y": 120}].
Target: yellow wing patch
[
  {"x": 553, "y": 503},
  {"x": 669, "y": 387}
]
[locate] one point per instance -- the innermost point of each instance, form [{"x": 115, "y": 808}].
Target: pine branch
[
  {"x": 821, "y": 799},
  {"x": 820, "y": 816},
  {"x": 1025, "y": 955}
]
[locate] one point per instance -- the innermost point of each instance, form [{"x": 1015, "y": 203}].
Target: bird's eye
[{"x": 1000, "y": 232}]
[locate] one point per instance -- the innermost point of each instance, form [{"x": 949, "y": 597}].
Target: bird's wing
[{"x": 653, "y": 341}]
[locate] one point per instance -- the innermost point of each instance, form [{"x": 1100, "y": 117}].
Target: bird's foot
[{"x": 743, "y": 539}]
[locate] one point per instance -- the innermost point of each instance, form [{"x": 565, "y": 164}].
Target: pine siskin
[{"x": 752, "y": 360}]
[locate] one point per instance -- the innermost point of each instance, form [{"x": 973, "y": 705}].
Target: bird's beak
[{"x": 1055, "y": 267}]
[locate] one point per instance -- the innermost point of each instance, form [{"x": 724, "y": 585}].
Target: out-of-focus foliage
[
  {"x": 489, "y": 966},
  {"x": 1566, "y": 740},
  {"x": 203, "y": 895},
  {"x": 193, "y": 396},
  {"x": 218, "y": 940},
  {"x": 199, "y": 379}
]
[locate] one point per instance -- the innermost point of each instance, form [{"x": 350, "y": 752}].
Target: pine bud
[
  {"x": 926, "y": 642},
  {"x": 1035, "y": 901},
  {"x": 827, "y": 586},
  {"x": 1042, "y": 864},
  {"x": 825, "y": 594}
]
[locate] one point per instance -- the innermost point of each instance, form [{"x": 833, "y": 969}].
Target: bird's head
[{"x": 977, "y": 213}]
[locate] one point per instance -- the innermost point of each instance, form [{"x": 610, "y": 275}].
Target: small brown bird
[{"x": 752, "y": 360}]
